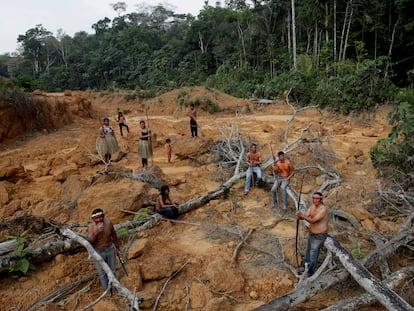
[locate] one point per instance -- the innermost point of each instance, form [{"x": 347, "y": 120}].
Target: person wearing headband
[
  {"x": 317, "y": 216},
  {"x": 102, "y": 236}
]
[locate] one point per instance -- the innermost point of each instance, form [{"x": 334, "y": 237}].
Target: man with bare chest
[
  {"x": 254, "y": 160},
  {"x": 284, "y": 171},
  {"x": 317, "y": 215},
  {"x": 102, "y": 236}
]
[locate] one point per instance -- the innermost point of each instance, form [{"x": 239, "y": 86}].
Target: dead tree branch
[
  {"x": 236, "y": 250},
  {"x": 60, "y": 292},
  {"x": 165, "y": 284}
]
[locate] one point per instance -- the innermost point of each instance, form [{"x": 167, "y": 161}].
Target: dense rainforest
[{"x": 343, "y": 55}]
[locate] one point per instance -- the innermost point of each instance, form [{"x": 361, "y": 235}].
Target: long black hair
[{"x": 163, "y": 191}]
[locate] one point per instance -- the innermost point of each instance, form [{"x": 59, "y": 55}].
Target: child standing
[
  {"x": 122, "y": 122},
  {"x": 168, "y": 146}
]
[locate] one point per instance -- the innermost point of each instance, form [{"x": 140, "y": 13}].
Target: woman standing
[
  {"x": 144, "y": 150},
  {"x": 106, "y": 145}
]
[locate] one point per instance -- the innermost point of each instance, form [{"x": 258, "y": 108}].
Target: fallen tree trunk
[
  {"x": 50, "y": 250},
  {"x": 395, "y": 280},
  {"x": 8, "y": 246},
  {"x": 366, "y": 279}
]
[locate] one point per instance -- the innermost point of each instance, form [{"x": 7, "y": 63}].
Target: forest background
[{"x": 343, "y": 55}]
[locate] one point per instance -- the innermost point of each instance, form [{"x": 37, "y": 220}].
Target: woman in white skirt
[{"x": 106, "y": 144}]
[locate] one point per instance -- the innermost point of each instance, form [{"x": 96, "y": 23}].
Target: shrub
[{"x": 22, "y": 264}]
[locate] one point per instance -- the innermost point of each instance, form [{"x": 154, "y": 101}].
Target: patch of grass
[
  {"x": 122, "y": 233},
  {"x": 206, "y": 104},
  {"x": 358, "y": 253},
  {"x": 131, "y": 96},
  {"x": 142, "y": 213}
]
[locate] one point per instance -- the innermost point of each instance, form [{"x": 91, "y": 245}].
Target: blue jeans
[
  {"x": 315, "y": 242},
  {"x": 283, "y": 183},
  {"x": 249, "y": 173},
  {"x": 168, "y": 212},
  {"x": 108, "y": 255}
]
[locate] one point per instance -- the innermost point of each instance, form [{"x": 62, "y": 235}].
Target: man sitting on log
[{"x": 253, "y": 160}]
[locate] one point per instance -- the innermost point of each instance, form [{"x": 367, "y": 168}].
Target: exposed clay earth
[{"x": 52, "y": 173}]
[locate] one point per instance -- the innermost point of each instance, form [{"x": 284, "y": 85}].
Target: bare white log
[
  {"x": 8, "y": 246},
  {"x": 387, "y": 297},
  {"x": 133, "y": 299},
  {"x": 393, "y": 281}
]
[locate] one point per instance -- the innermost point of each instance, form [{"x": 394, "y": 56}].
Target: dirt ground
[{"x": 53, "y": 170}]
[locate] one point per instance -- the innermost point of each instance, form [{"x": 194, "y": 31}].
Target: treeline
[{"x": 343, "y": 54}]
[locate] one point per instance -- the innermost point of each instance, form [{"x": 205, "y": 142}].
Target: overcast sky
[{"x": 18, "y": 16}]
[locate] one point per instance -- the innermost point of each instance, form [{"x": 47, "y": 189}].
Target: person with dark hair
[
  {"x": 144, "y": 149},
  {"x": 122, "y": 122},
  {"x": 106, "y": 145},
  {"x": 102, "y": 236},
  {"x": 253, "y": 161},
  {"x": 317, "y": 215},
  {"x": 164, "y": 205},
  {"x": 192, "y": 113},
  {"x": 168, "y": 146},
  {"x": 284, "y": 171}
]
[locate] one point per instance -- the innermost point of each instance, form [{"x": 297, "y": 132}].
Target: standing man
[
  {"x": 102, "y": 236},
  {"x": 192, "y": 113},
  {"x": 284, "y": 171},
  {"x": 317, "y": 216},
  {"x": 253, "y": 161}
]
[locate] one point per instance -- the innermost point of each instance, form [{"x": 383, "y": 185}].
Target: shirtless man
[
  {"x": 102, "y": 236},
  {"x": 192, "y": 113},
  {"x": 284, "y": 171},
  {"x": 317, "y": 216},
  {"x": 253, "y": 161}
]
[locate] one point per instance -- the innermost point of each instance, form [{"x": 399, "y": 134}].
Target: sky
[{"x": 18, "y": 16}]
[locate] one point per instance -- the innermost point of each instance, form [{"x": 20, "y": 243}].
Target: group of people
[
  {"x": 107, "y": 144},
  {"x": 282, "y": 168},
  {"x": 101, "y": 233},
  {"x": 316, "y": 215}
]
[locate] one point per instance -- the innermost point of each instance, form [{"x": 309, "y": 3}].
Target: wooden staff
[
  {"x": 149, "y": 137},
  {"x": 273, "y": 156},
  {"x": 297, "y": 223},
  {"x": 251, "y": 160},
  {"x": 273, "y": 170}
]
